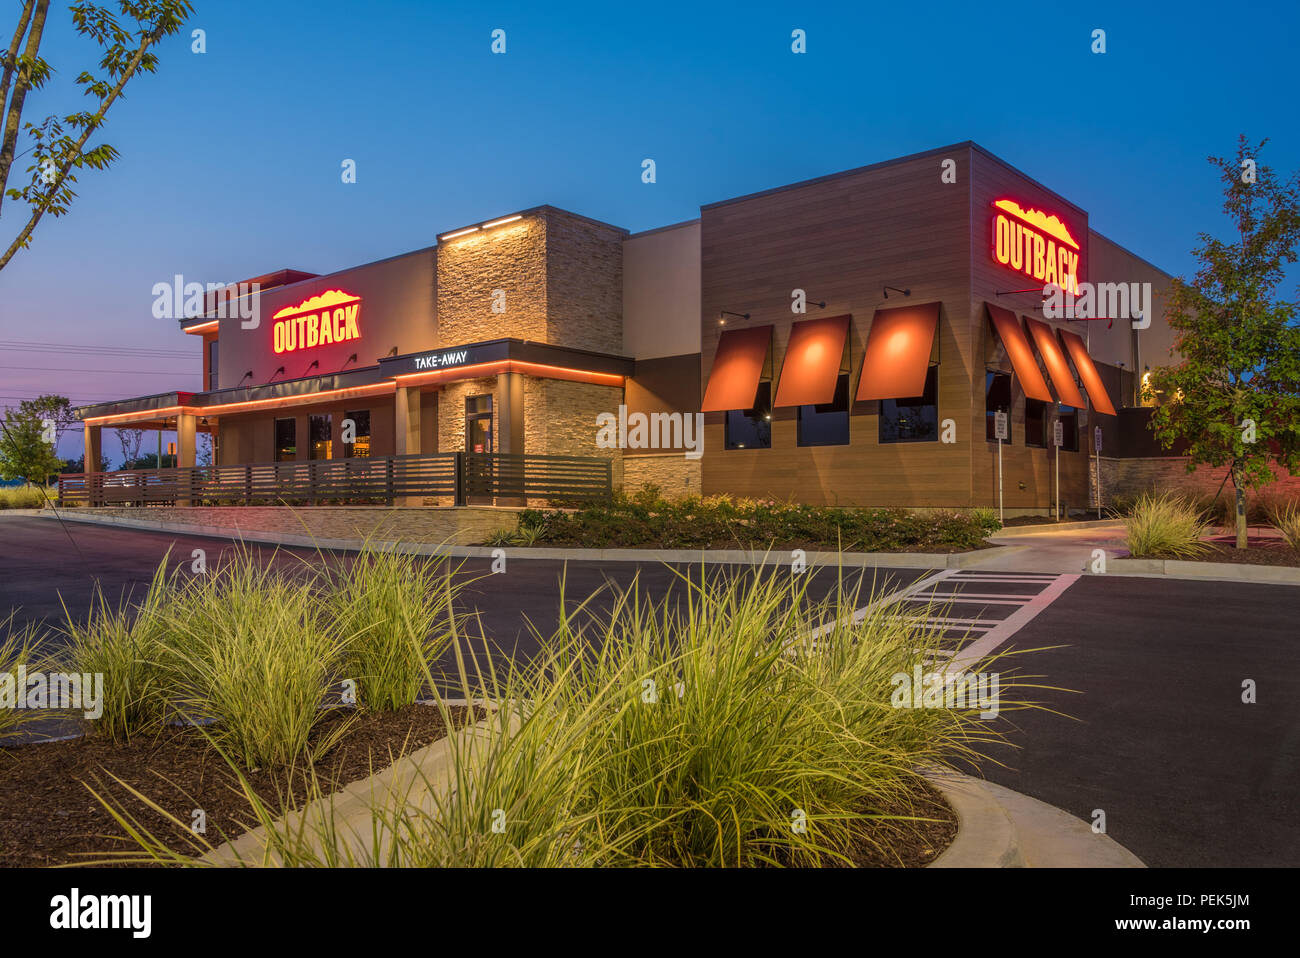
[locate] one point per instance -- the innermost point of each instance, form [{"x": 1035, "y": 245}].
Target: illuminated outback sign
[
  {"x": 320, "y": 320},
  {"x": 1036, "y": 244}
]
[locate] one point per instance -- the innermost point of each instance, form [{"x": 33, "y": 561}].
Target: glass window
[
  {"x": 286, "y": 445},
  {"x": 827, "y": 424},
  {"x": 212, "y": 364},
  {"x": 359, "y": 448},
  {"x": 752, "y": 428},
  {"x": 322, "y": 443},
  {"x": 1038, "y": 432},
  {"x": 997, "y": 398},
  {"x": 915, "y": 419}
]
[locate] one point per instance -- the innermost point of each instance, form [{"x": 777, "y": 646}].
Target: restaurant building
[{"x": 846, "y": 340}]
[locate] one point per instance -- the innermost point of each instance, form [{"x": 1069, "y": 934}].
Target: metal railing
[{"x": 456, "y": 478}]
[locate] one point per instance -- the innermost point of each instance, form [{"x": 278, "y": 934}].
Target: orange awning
[
  {"x": 1067, "y": 391},
  {"x": 1022, "y": 355},
  {"x": 898, "y": 352},
  {"x": 812, "y": 361},
  {"x": 1087, "y": 372},
  {"x": 737, "y": 368}
]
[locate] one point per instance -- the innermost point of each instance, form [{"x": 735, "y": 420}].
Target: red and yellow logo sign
[
  {"x": 1036, "y": 244},
  {"x": 320, "y": 320}
]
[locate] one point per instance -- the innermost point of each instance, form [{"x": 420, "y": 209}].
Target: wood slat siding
[{"x": 842, "y": 240}]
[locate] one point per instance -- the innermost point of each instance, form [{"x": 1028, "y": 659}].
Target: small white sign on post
[
  {"x": 1096, "y": 445},
  {"x": 1058, "y": 434},
  {"x": 1000, "y": 426}
]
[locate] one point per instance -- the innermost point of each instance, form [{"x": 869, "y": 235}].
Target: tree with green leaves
[
  {"x": 55, "y": 410},
  {"x": 26, "y": 445},
  {"x": 56, "y": 147},
  {"x": 1234, "y": 398}
]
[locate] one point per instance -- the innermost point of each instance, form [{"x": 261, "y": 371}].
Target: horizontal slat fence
[{"x": 457, "y": 477}]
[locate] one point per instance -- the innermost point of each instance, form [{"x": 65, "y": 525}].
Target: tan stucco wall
[{"x": 661, "y": 292}]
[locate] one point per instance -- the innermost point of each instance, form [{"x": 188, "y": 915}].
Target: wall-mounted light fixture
[
  {"x": 247, "y": 375},
  {"x": 315, "y": 364},
  {"x": 351, "y": 359},
  {"x": 905, "y": 292},
  {"x": 481, "y": 226},
  {"x": 723, "y": 314},
  {"x": 276, "y": 373},
  {"x": 393, "y": 351}
]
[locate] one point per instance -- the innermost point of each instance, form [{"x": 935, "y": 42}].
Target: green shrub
[
  {"x": 1166, "y": 526},
  {"x": 723, "y": 522},
  {"x": 125, "y": 646},
  {"x": 394, "y": 612},
  {"x": 253, "y": 648}
]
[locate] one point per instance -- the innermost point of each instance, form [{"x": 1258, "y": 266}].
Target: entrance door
[{"x": 478, "y": 449}]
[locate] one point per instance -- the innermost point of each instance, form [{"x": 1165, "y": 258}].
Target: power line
[
  {"x": 35, "y": 347},
  {"x": 74, "y": 369}
]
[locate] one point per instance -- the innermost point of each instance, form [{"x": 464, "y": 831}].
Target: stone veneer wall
[
  {"x": 560, "y": 419},
  {"x": 674, "y": 474},
  {"x": 511, "y": 258},
  {"x": 1131, "y": 477},
  {"x": 562, "y": 276},
  {"x": 584, "y": 283}
]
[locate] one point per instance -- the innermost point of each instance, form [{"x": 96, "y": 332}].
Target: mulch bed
[
  {"x": 48, "y": 817},
  {"x": 1258, "y": 552},
  {"x": 905, "y": 844}
]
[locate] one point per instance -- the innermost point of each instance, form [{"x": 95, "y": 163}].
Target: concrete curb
[
  {"x": 849, "y": 560},
  {"x": 416, "y": 782},
  {"x": 1007, "y": 532},
  {"x": 1218, "y": 571},
  {"x": 999, "y": 828}
]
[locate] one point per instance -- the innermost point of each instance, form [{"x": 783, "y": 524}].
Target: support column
[
  {"x": 406, "y": 431},
  {"x": 186, "y": 455},
  {"x": 510, "y": 438},
  {"x": 406, "y": 434},
  {"x": 94, "y": 443}
]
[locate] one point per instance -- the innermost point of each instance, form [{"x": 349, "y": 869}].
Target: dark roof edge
[{"x": 664, "y": 229}]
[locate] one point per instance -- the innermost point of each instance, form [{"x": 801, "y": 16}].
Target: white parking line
[{"x": 1011, "y": 624}]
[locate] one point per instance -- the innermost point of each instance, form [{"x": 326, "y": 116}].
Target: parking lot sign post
[
  {"x": 1096, "y": 445},
  {"x": 1000, "y": 430},
  {"x": 1058, "y": 437}
]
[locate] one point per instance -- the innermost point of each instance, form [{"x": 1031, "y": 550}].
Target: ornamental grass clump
[
  {"x": 1165, "y": 526},
  {"x": 735, "y": 722},
  {"x": 1286, "y": 519},
  {"x": 124, "y": 645},
  {"x": 18, "y": 649},
  {"x": 252, "y": 647},
  {"x": 395, "y": 613},
  {"x": 729, "y": 736}
]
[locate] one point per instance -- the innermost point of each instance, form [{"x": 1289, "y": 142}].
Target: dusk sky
[{"x": 230, "y": 162}]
